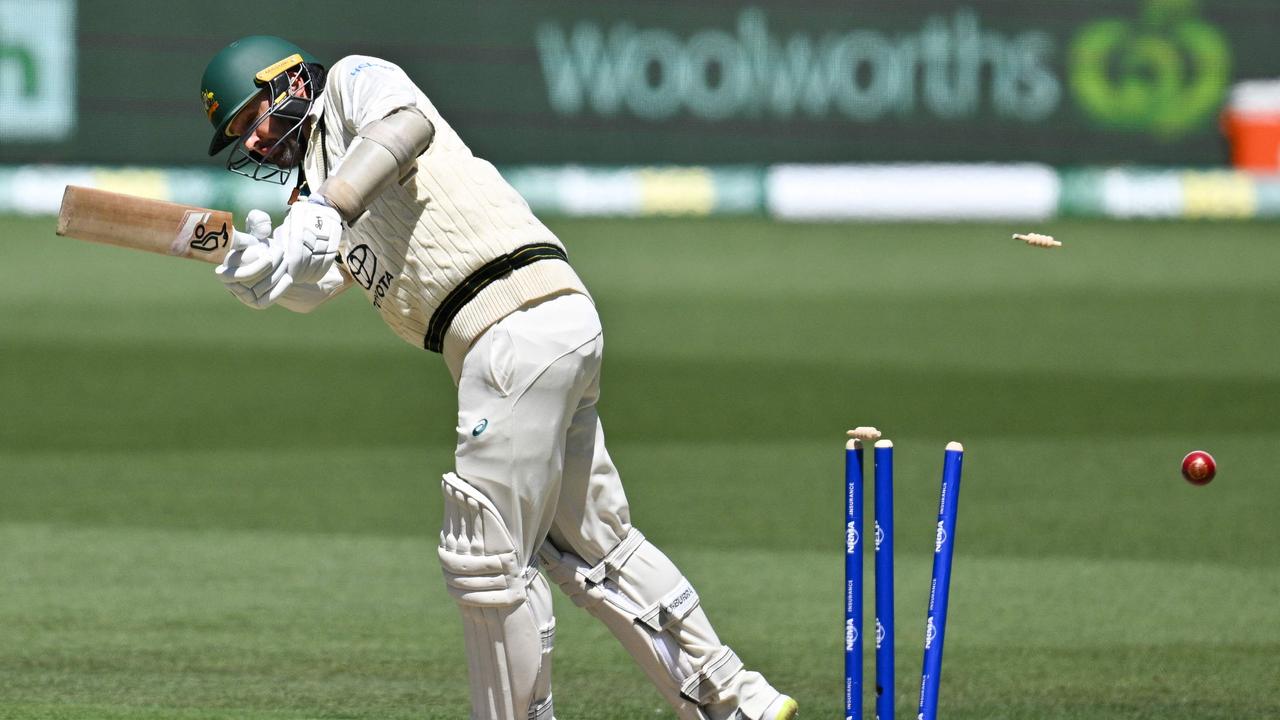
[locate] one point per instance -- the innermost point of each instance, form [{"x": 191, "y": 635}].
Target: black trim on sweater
[{"x": 485, "y": 275}]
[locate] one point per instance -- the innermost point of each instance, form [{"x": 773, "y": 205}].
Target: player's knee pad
[
  {"x": 654, "y": 612},
  {"x": 505, "y": 606}
]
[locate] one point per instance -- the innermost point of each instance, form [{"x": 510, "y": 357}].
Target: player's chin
[{"x": 287, "y": 155}]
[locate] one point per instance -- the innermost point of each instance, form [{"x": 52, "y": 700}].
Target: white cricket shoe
[{"x": 782, "y": 708}]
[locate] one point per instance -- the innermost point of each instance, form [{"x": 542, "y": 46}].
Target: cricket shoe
[{"x": 782, "y": 708}]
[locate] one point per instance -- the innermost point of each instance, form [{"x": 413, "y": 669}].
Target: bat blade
[{"x": 139, "y": 223}]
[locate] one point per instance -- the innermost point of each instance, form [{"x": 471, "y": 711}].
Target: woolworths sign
[
  {"x": 37, "y": 70},
  {"x": 1069, "y": 82},
  {"x": 1162, "y": 72},
  {"x": 951, "y": 67}
]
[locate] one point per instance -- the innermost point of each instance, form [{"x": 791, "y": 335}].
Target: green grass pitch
[{"x": 210, "y": 512}]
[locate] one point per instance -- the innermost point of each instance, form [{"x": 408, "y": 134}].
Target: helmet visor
[{"x": 270, "y": 146}]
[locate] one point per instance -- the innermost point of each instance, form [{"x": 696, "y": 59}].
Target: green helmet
[{"x": 235, "y": 75}]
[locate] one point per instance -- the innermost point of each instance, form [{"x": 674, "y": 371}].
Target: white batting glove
[
  {"x": 305, "y": 297},
  {"x": 258, "y": 225},
  {"x": 310, "y": 234},
  {"x": 254, "y": 271},
  {"x": 245, "y": 263}
]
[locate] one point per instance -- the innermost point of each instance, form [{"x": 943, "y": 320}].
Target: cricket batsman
[{"x": 390, "y": 199}]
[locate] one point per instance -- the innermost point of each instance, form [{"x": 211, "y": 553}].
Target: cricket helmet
[{"x": 238, "y": 72}]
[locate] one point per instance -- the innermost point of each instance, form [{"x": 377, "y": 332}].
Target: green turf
[{"x": 207, "y": 512}]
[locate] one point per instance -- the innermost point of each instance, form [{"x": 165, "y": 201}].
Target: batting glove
[
  {"x": 309, "y": 235},
  {"x": 254, "y": 271}
]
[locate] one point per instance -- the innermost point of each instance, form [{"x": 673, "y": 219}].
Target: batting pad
[
  {"x": 649, "y": 606},
  {"x": 505, "y": 608}
]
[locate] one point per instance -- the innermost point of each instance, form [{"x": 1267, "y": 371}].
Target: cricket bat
[{"x": 152, "y": 225}]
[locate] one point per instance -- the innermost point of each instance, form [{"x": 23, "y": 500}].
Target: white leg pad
[
  {"x": 505, "y": 606},
  {"x": 640, "y": 595}
]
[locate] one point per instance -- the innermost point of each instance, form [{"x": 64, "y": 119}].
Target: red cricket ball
[{"x": 1198, "y": 467}]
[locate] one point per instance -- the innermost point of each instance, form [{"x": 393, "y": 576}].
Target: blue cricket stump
[
  {"x": 940, "y": 588},
  {"x": 853, "y": 480},
  {"x": 884, "y": 579}
]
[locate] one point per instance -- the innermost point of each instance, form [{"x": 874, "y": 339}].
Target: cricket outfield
[{"x": 180, "y": 542}]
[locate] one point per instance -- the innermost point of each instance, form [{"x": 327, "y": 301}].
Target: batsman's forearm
[
  {"x": 142, "y": 224},
  {"x": 385, "y": 151}
]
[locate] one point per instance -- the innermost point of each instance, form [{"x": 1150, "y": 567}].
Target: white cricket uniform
[{"x": 533, "y": 484}]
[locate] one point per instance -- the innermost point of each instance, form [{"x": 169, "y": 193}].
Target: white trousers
[
  {"x": 529, "y": 437},
  {"x": 530, "y": 441}
]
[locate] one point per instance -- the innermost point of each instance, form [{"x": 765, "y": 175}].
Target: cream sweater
[{"x": 423, "y": 237}]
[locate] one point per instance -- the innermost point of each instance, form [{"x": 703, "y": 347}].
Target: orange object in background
[{"x": 1251, "y": 123}]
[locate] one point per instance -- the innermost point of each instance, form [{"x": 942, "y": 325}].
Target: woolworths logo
[
  {"x": 1166, "y": 73},
  {"x": 950, "y": 67}
]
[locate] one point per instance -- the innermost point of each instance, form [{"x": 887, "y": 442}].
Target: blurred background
[
  {"x": 794, "y": 219},
  {"x": 675, "y": 108}
]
